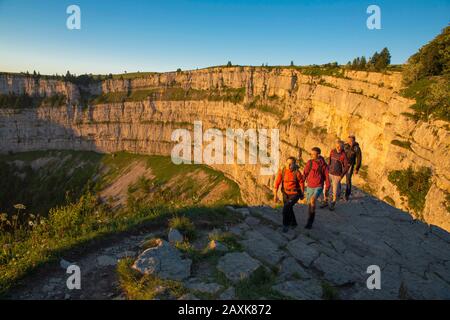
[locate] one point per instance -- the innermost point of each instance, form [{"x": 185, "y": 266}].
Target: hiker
[
  {"x": 292, "y": 187},
  {"x": 354, "y": 156},
  {"x": 337, "y": 168},
  {"x": 316, "y": 175}
]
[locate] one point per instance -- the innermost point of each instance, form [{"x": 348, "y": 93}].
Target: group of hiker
[{"x": 321, "y": 177}]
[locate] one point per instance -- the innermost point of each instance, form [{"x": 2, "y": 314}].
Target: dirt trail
[{"x": 97, "y": 262}]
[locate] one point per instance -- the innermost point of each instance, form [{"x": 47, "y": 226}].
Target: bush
[
  {"x": 184, "y": 225},
  {"x": 412, "y": 184}
]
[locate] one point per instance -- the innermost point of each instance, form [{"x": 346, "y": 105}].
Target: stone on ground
[
  {"x": 302, "y": 251},
  {"x": 65, "y": 264},
  {"x": 228, "y": 294},
  {"x": 175, "y": 236},
  {"x": 163, "y": 261},
  {"x": 237, "y": 266},
  {"x": 300, "y": 289},
  {"x": 203, "y": 287},
  {"x": 262, "y": 248},
  {"x": 336, "y": 272},
  {"x": 188, "y": 296},
  {"x": 290, "y": 269},
  {"x": 252, "y": 221},
  {"x": 105, "y": 261},
  {"x": 126, "y": 254}
]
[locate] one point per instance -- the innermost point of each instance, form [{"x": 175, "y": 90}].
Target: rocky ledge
[{"x": 332, "y": 259}]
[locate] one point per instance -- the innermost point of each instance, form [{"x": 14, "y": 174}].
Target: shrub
[
  {"x": 412, "y": 184},
  {"x": 184, "y": 225}
]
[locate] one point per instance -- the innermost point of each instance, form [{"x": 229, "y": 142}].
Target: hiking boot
[
  {"x": 324, "y": 204},
  {"x": 285, "y": 229},
  {"x": 308, "y": 226},
  {"x": 346, "y": 198},
  {"x": 332, "y": 206}
]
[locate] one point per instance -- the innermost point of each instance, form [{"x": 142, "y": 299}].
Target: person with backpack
[
  {"x": 292, "y": 187},
  {"x": 337, "y": 168},
  {"x": 354, "y": 156},
  {"x": 316, "y": 175}
]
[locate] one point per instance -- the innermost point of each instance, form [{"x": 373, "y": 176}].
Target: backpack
[{"x": 299, "y": 190}]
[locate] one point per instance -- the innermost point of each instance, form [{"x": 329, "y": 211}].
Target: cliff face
[{"x": 308, "y": 110}]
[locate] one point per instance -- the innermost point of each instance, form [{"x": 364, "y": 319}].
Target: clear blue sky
[{"x": 163, "y": 35}]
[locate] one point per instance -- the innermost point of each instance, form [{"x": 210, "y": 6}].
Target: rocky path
[{"x": 414, "y": 258}]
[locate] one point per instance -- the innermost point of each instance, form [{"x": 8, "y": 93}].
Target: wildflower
[{"x": 19, "y": 206}]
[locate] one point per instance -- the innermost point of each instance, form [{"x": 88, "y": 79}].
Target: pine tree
[{"x": 363, "y": 63}]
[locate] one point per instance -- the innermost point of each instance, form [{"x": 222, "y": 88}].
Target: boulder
[{"x": 163, "y": 261}]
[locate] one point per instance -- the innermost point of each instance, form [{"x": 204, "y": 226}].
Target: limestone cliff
[{"x": 309, "y": 110}]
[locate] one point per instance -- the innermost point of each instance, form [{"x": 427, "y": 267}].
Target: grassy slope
[{"x": 25, "y": 247}]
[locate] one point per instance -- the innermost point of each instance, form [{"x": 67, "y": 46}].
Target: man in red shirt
[
  {"x": 316, "y": 175},
  {"x": 292, "y": 187}
]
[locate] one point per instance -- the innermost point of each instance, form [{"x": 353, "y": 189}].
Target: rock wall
[{"x": 310, "y": 111}]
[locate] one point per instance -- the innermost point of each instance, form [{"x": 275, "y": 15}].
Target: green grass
[
  {"x": 64, "y": 178},
  {"x": 264, "y": 106},
  {"x": 26, "y": 248},
  {"x": 329, "y": 292},
  {"x": 184, "y": 225},
  {"x": 37, "y": 240},
  {"x": 146, "y": 287},
  {"x": 26, "y": 101},
  {"x": 227, "y": 239},
  {"x": 389, "y": 200},
  {"x": 234, "y": 95},
  {"x": 258, "y": 285},
  {"x": 412, "y": 184}
]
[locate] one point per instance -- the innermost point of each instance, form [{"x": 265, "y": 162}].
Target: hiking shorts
[{"x": 313, "y": 192}]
